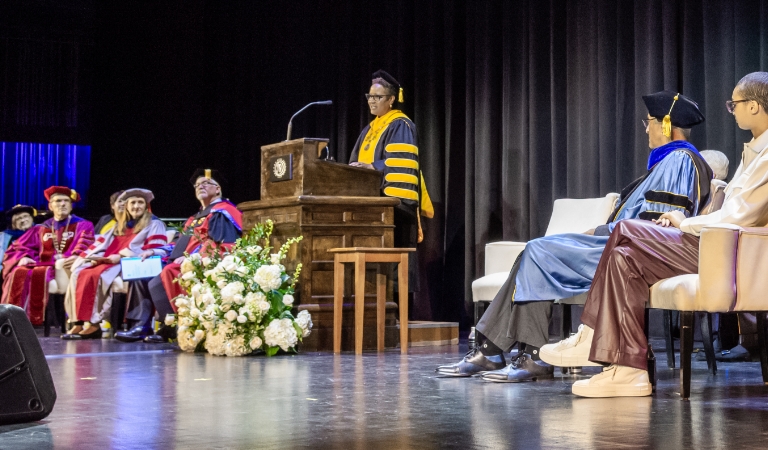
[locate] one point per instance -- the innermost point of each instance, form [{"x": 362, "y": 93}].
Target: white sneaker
[
  {"x": 571, "y": 352},
  {"x": 615, "y": 381}
]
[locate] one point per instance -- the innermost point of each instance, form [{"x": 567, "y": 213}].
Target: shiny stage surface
[{"x": 138, "y": 396}]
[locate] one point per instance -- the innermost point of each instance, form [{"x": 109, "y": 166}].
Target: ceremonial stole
[{"x": 375, "y": 129}]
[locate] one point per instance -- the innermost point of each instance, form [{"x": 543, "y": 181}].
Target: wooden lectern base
[{"x": 328, "y": 222}]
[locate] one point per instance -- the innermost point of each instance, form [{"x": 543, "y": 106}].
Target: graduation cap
[
  {"x": 146, "y": 194},
  {"x": 211, "y": 174},
  {"x": 675, "y": 109},
  {"x": 19, "y": 209},
  {"x": 391, "y": 80},
  {"x": 61, "y": 190}
]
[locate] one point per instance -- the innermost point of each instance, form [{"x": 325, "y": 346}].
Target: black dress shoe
[
  {"x": 135, "y": 334},
  {"x": 79, "y": 337},
  {"x": 163, "y": 335},
  {"x": 523, "y": 368},
  {"x": 71, "y": 337},
  {"x": 736, "y": 354},
  {"x": 474, "y": 362}
]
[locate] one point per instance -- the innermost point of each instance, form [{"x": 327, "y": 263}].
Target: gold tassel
[
  {"x": 208, "y": 173},
  {"x": 400, "y": 96},
  {"x": 666, "y": 123},
  {"x": 34, "y": 212},
  {"x": 73, "y": 194}
]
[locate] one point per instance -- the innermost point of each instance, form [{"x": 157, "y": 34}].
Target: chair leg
[
  {"x": 50, "y": 315},
  {"x": 565, "y": 328},
  {"x": 706, "y": 337},
  {"x": 761, "y": 342},
  {"x": 650, "y": 357},
  {"x": 669, "y": 339},
  {"x": 478, "y": 311},
  {"x": 686, "y": 348}
]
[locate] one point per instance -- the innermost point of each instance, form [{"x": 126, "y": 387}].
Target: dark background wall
[{"x": 517, "y": 102}]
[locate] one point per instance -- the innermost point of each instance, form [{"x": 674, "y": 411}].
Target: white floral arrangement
[{"x": 240, "y": 300}]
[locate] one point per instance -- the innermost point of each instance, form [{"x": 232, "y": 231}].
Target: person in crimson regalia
[
  {"x": 218, "y": 224},
  {"x": 28, "y": 266},
  {"x": 137, "y": 233}
]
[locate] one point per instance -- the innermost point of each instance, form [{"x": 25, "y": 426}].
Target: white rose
[
  {"x": 208, "y": 298},
  {"x": 255, "y": 342},
  {"x": 194, "y": 257},
  {"x": 241, "y": 270},
  {"x": 221, "y": 284},
  {"x": 231, "y": 315},
  {"x": 170, "y": 319},
  {"x": 268, "y": 277},
  {"x": 188, "y": 276},
  {"x": 274, "y": 258},
  {"x": 187, "y": 266},
  {"x": 194, "y": 312},
  {"x": 206, "y": 261},
  {"x": 199, "y": 334},
  {"x": 196, "y": 290},
  {"x": 242, "y": 319},
  {"x": 304, "y": 320},
  {"x": 263, "y": 306},
  {"x": 288, "y": 299}
]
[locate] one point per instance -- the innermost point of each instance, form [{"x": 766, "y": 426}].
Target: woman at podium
[
  {"x": 137, "y": 233},
  {"x": 389, "y": 144}
]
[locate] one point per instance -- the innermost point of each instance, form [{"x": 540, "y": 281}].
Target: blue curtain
[{"x": 29, "y": 168}]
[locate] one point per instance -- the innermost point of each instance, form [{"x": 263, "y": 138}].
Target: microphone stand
[{"x": 290, "y": 122}]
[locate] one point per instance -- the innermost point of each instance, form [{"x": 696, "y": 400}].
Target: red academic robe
[
  {"x": 220, "y": 224},
  {"x": 27, "y": 286}
]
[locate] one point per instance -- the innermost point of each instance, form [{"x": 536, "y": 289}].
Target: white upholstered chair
[
  {"x": 568, "y": 216},
  {"x": 731, "y": 278}
]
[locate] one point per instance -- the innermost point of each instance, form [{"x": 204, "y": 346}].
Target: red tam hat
[{"x": 61, "y": 190}]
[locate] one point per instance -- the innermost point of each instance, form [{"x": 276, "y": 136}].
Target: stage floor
[{"x": 139, "y": 396}]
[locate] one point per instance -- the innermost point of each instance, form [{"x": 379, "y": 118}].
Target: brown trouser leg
[{"x": 639, "y": 253}]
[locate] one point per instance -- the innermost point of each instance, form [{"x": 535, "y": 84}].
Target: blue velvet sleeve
[
  {"x": 221, "y": 229},
  {"x": 672, "y": 185}
]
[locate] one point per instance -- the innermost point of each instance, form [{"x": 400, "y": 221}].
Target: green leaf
[{"x": 272, "y": 351}]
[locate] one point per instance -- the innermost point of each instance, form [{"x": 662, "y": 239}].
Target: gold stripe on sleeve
[
  {"x": 401, "y": 193},
  {"x": 401, "y": 178},
  {"x": 402, "y": 163},
  {"x": 400, "y": 147}
]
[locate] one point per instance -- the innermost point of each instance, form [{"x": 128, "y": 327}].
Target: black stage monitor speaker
[{"x": 26, "y": 387}]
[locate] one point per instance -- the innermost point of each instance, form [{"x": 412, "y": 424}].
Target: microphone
[{"x": 290, "y": 122}]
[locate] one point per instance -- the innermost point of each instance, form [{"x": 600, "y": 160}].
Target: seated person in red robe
[
  {"x": 28, "y": 267},
  {"x": 218, "y": 223},
  {"x": 137, "y": 233}
]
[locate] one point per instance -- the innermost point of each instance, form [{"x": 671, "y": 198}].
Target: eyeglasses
[
  {"x": 730, "y": 105},
  {"x": 205, "y": 184},
  {"x": 647, "y": 122},
  {"x": 375, "y": 98}
]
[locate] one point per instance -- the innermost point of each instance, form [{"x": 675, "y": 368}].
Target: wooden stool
[{"x": 359, "y": 256}]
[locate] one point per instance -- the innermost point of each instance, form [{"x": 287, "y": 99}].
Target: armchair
[
  {"x": 568, "y": 216},
  {"x": 730, "y": 279}
]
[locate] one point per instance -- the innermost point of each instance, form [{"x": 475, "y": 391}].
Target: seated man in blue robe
[{"x": 563, "y": 266}]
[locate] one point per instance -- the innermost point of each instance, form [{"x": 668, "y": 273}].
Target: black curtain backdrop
[{"x": 517, "y": 103}]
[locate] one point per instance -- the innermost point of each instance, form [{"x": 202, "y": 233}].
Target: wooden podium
[{"x": 332, "y": 205}]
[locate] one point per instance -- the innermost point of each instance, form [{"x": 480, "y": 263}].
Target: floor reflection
[{"x": 113, "y": 395}]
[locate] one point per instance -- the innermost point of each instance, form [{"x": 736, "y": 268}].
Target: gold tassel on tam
[
  {"x": 666, "y": 123},
  {"x": 400, "y": 96},
  {"x": 208, "y": 173}
]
